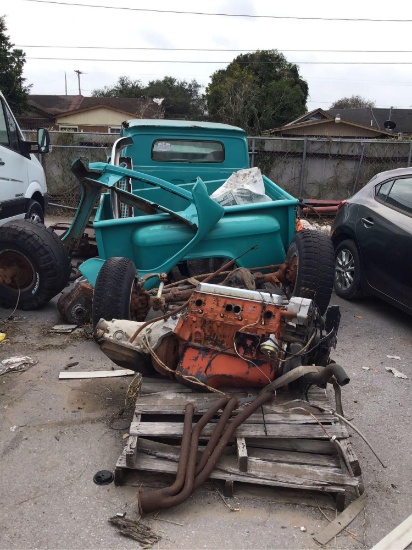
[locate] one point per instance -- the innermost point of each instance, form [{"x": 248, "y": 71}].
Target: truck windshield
[{"x": 184, "y": 150}]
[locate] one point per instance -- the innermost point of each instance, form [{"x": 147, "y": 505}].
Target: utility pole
[{"x": 78, "y": 79}]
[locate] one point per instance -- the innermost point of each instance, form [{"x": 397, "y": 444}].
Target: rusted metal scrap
[
  {"x": 75, "y": 306},
  {"x": 15, "y": 270}
]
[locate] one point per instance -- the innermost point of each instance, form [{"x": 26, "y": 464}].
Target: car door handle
[
  {"x": 2, "y": 163},
  {"x": 367, "y": 222}
]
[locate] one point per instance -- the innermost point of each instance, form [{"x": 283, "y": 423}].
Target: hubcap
[
  {"x": 35, "y": 218},
  {"x": 344, "y": 269}
]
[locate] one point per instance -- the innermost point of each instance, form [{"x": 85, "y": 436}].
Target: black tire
[
  {"x": 35, "y": 212},
  {"x": 348, "y": 273},
  {"x": 112, "y": 292},
  {"x": 42, "y": 259},
  {"x": 314, "y": 254}
]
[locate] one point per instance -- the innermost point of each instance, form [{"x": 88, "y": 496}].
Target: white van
[{"x": 23, "y": 189}]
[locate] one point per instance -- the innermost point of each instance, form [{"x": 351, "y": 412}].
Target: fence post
[
  {"x": 410, "y": 155},
  {"x": 302, "y": 169},
  {"x": 355, "y": 183},
  {"x": 252, "y": 157}
]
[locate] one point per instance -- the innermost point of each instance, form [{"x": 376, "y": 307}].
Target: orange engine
[{"x": 235, "y": 337}]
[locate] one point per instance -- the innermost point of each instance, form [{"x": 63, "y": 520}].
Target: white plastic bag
[{"x": 242, "y": 187}]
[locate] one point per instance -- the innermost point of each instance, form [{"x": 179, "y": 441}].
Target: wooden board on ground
[{"x": 287, "y": 443}]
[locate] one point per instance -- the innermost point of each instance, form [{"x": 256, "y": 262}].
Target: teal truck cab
[{"x": 178, "y": 151}]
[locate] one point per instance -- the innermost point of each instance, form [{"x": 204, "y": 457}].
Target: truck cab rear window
[{"x": 180, "y": 150}]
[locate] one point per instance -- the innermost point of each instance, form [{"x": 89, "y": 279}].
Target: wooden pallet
[{"x": 281, "y": 445}]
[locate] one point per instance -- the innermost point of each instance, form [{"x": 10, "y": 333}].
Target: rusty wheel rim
[{"x": 21, "y": 270}]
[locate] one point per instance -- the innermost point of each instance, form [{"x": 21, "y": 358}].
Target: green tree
[
  {"x": 12, "y": 82},
  {"x": 353, "y": 102},
  {"x": 181, "y": 99},
  {"x": 125, "y": 87},
  {"x": 257, "y": 91}
]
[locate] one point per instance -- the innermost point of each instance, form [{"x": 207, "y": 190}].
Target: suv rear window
[{"x": 183, "y": 150}]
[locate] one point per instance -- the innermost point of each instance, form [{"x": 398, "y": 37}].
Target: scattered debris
[
  {"x": 2, "y": 336},
  {"x": 63, "y": 329},
  {"x": 315, "y": 226},
  {"x": 16, "y": 364},
  {"x": 95, "y": 374},
  {"x": 231, "y": 508},
  {"x": 167, "y": 520},
  {"x": 396, "y": 372},
  {"x": 393, "y": 357},
  {"x": 88, "y": 332},
  {"x": 303, "y": 529},
  {"x": 13, "y": 428},
  {"x": 70, "y": 365},
  {"x": 136, "y": 530},
  {"x": 366, "y": 368},
  {"x": 103, "y": 477}
]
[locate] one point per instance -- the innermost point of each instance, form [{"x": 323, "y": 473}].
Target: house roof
[
  {"x": 315, "y": 119},
  {"x": 376, "y": 117},
  {"x": 312, "y": 116},
  {"x": 57, "y": 105}
]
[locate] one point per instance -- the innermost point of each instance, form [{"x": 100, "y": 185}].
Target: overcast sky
[{"x": 385, "y": 46}]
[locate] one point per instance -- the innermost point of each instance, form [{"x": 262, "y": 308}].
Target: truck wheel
[
  {"x": 35, "y": 212},
  {"x": 34, "y": 264},
  {"x": 312, "y": 266},
  {"x": 113, "y": 290}
]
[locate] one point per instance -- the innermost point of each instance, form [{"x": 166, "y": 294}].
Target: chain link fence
[
  {"x": 305, "y": 167},
  {"x": 326, "y": 168}
]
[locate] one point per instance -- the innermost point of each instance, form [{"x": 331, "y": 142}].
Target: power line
[
  {"x": 224, "y": 62},
  {"x": 246, "y": 15},
  {"x": 208, "y": 49}
]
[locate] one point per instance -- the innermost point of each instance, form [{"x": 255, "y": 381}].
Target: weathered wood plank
[
  {"x": 350, "y": 456},
  {"x": 65, "y": 375},
  {"x": 130, "y": 450},
  {"x": 317, "y": 446},
  {"x": 152, "y": 464},
  {"x": 241, "y": 454},
  {"x": 131, "y": 445},
  {"x": 288, "y": 472},
  {"x": 291, "y": 457},
  {"x": 171, "y": 452},
  {"x": 306, "y": 431}
]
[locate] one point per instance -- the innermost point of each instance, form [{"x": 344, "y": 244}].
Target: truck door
[{"x": 13, "y": 167}]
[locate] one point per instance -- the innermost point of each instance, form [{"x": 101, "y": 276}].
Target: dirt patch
[{"x": 97, "y": 395}]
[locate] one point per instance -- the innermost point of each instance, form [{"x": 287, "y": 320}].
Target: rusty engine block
[
  {"x": 225, "y": 337},
  {"x": 235, "y": 337}
]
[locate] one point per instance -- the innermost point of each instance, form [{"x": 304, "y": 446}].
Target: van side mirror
[{"x": 43, "y": 141}]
